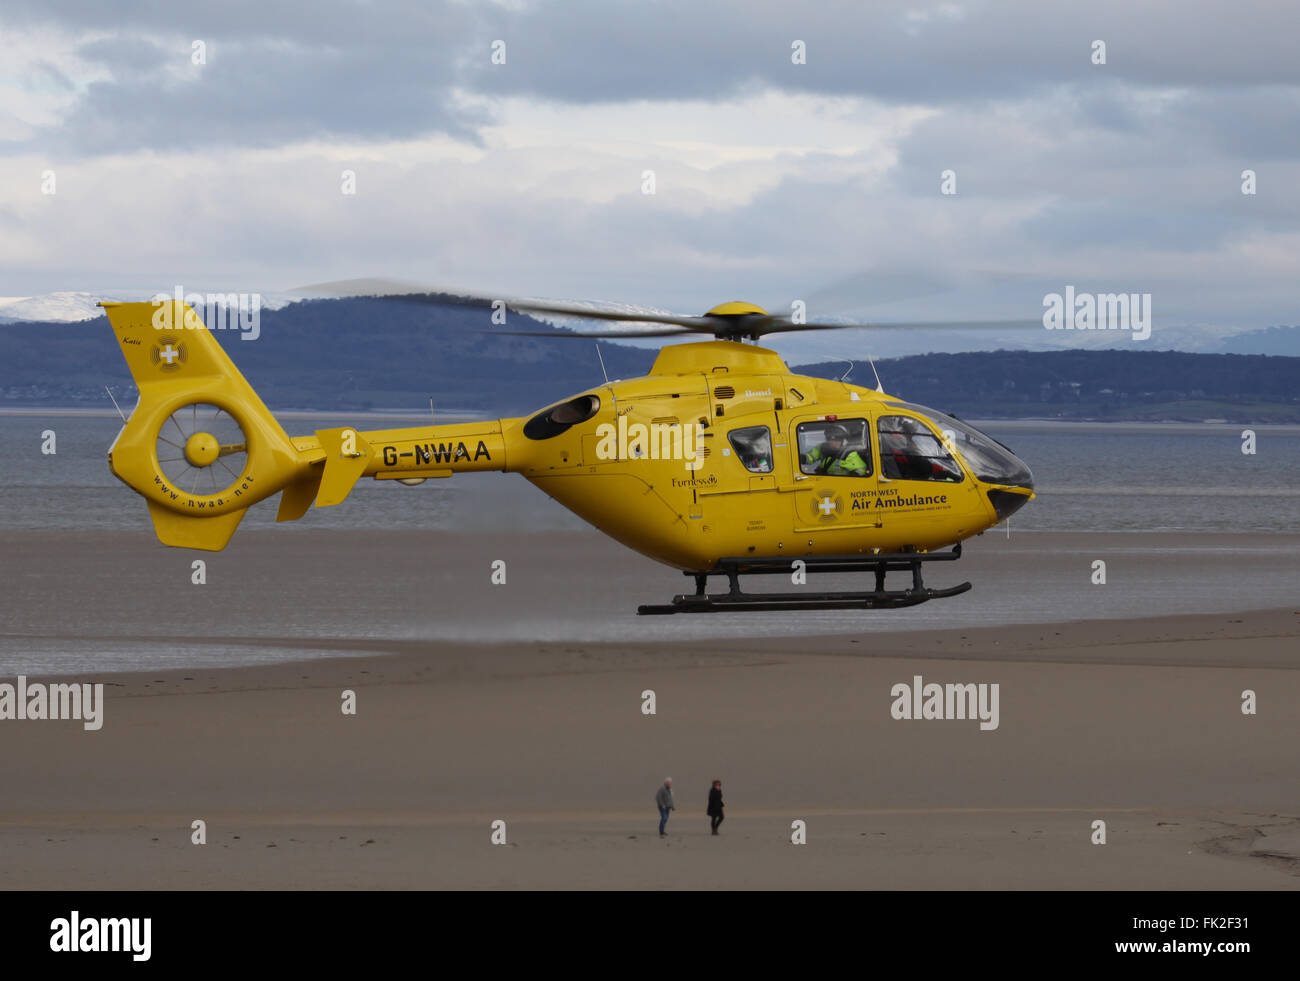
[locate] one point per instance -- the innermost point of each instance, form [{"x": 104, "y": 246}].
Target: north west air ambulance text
[{"x": 890, "y": 498}]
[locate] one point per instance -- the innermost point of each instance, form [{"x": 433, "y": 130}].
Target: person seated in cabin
[
  {"x": 753, "y": 446},
  {"x": 901, "y": 458},
  {"x": 894, "y": 458},
  {"x": 833, "y": 457},
  {"x": 908, "y": 452}
]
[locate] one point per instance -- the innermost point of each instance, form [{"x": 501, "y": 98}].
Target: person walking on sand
[
  {"x": 665, "y": 802},
  {"x": 715, "y": 805}
]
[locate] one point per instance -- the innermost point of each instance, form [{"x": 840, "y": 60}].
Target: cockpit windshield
[{"x": 988, "y": 459}]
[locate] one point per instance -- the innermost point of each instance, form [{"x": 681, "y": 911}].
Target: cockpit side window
[
  {"x": 753, "y": 448},
  {"x": 988, "y": 459},
  {"x": 835, "y": 447},
  {"x": 909, "y": 451}
]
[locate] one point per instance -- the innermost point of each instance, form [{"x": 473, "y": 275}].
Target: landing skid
[{"x": 878, "y": 599}]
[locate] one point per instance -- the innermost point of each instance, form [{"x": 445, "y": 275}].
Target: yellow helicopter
[{"x": 720, "y": 461}]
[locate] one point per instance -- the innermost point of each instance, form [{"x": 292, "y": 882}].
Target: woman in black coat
[{"x": 715, "y": 805}]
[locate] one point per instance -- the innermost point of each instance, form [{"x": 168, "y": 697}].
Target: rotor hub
[
  {"x": 202, "y": 450},
  {"x": 736, "y": 308}
]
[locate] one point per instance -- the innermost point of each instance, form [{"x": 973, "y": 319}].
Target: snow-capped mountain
[
  {"x": 65, "y": 306},
  {"x": 71, "y": 306}
]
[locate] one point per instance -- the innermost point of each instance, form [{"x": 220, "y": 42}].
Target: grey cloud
[
  {"x": 262, "y": 94},
  {"x": 51, "y": 73},
  {"x": 273, "y": 76},
  {"x": 1119, "y": 172},
  {"x": 1253, "y": 125},
  {"x": 388, "y": 69},
  {"x": 326, "y": 23},
  {"x": 592, "y": 50},
  {"x": 130, "y": 57}
]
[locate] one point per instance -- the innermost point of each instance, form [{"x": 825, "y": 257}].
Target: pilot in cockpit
[{"x": 833, "y": 458}]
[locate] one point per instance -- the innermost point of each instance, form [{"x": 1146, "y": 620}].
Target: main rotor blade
[
  {"x": 702, "y": 324},
  {"x": 520, "y": 305},
  {"x": 588, "y": 334},
  {"x": 739, "y": 327},
  {"x": 732, "y": 327},
  {"x": 784, "y": 326}
]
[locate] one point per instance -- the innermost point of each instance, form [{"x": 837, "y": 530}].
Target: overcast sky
[{"x": 774, "y": 181}]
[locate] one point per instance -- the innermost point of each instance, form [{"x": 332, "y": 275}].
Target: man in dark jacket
[
  {"x": 715, "y": 805},
  {"x": 665, "y": 801}
]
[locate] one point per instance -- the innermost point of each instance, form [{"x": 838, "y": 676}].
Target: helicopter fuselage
[{"x": 721, "y": 452}]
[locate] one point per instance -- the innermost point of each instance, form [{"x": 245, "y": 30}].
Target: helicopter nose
[
  {"x": 1008, "y": 502},
  {"x": 1025, "y": 479}
]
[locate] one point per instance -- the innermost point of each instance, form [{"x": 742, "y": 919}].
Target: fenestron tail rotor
[{"x": 202, "y": 449}]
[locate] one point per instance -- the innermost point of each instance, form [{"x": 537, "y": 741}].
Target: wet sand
[{"x": 1136, "y": 722}]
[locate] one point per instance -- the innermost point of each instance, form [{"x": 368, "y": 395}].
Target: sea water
[{"x": 1188, "y": 479}]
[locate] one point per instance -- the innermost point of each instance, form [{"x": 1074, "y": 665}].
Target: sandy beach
[{"x": 1133, "y": 721}]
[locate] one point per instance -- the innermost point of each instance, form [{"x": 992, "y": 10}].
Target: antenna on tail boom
[{"x": 115, "y": 405}]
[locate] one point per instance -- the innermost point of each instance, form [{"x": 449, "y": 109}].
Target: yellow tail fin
[{"x": 199, "y": 446}]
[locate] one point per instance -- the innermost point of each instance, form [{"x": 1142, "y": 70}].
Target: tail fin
[{"x": 199, "y": 446}]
